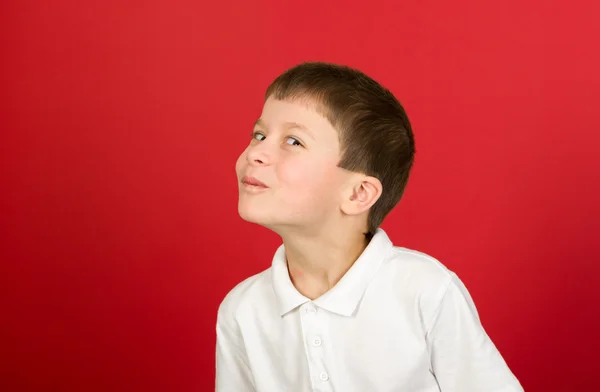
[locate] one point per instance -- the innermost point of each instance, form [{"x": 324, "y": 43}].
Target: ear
[{"x": 362, "y": 195}]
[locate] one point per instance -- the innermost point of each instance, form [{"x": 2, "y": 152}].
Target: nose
[{"x": 258, "y": 155}]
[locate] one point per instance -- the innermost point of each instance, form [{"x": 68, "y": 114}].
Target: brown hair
[{"x": 376, "y": 137}]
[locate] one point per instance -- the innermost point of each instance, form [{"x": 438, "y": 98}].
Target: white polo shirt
[{"x": 397, "y": 321}]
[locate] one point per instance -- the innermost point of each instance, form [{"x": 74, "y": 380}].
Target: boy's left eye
[{"x": 294, "y": 141}]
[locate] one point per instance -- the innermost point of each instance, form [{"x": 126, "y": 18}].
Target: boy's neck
[{"x": 317, "y": 263}]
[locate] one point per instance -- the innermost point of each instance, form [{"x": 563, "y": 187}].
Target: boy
[{"x": 341, "y": 308}]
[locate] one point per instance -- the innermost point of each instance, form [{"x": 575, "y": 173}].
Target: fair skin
[{"x": 319, "y": 209}]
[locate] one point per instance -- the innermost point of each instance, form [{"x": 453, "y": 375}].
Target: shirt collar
[{"x": 345, "y": 296}]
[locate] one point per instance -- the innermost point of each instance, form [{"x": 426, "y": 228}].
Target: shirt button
[
  {"x": 323, "y": 376},
  {"x": 311, "y": 309},
  {"x": 317, "y": 342}
]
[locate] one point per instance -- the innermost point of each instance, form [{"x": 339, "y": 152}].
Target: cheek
[
  {"x": 240, "y": 163},
  {"x": 309, "y": 179}
]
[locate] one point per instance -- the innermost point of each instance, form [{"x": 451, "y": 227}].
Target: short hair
[{"x": 375, "y": 134}]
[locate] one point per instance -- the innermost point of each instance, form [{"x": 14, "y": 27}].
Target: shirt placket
[{"x": 313, "y": 332}]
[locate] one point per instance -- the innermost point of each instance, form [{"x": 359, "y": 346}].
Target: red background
[{"x": 121, "y": 122}]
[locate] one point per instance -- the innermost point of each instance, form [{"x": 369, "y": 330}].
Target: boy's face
[{"x": 294, "y": 152}]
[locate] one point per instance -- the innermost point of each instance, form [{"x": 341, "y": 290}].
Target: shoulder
[
  {"x": 248, "y": 291},
  {"x": 418, "y": 269},
  {"x": 421, "y": 279}
]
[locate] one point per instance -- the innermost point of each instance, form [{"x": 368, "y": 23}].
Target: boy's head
[{"x": 332, "y": 147}]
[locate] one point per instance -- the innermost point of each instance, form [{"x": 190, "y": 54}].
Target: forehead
[{"x": 302, "y": 112}]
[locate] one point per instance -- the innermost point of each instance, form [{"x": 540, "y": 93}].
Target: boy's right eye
[{"x": 258, "y": 136}]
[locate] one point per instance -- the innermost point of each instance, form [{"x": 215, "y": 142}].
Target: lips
[{"x": 251, "y": 181}]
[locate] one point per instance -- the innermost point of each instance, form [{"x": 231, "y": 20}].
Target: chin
[
  {"x": 266, "y": 219},
  {"x": 252, "y": 215}
]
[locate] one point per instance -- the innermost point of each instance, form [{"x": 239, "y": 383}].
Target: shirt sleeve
[
  {"x": 463, "y": 357},
  {"x": 232, "y": 370}
]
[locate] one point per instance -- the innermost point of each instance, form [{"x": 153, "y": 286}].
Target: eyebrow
[{"x": 289, "y": 125}]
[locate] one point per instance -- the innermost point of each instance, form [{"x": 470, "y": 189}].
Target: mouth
[{"x": 251, "y": 182}]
